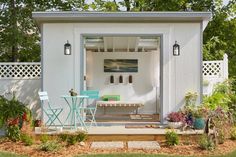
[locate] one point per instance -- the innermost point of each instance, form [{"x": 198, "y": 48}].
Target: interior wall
[{"x": 145, "y": 86}]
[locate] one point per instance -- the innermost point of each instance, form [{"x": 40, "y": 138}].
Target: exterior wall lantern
[
  {"x": 67, "y": 48},
  {"x": 176, "y": 49}
]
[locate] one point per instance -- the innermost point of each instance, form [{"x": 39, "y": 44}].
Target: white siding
[{"x": 180, "y": 74}]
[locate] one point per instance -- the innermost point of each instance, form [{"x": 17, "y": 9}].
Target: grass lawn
[
  {"x": 10, "y": 155},
  {"x": 233, "y": 154}
]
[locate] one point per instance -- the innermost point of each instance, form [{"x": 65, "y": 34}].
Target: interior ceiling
[{"x": 122, "y": 44}]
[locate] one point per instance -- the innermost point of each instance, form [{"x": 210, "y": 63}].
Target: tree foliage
[
  {"x": 220, "y": 35},
  {"x": 20, "y": 37}
]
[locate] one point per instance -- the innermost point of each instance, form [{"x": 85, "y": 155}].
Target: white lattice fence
[
  {"x": 20, "y": 70},
  {"x": 213, "y": 73},
  {"x": 213, "y": 68}
]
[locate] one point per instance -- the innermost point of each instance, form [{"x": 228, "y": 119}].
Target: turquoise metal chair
[
  {"x": 91, "y": 107},
  {"x": 51, "y": 113}
]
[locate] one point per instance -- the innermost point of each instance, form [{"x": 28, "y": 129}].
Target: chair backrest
[
  {"x": 92, "y": 94},
  {"x": 43, "y": 96}
]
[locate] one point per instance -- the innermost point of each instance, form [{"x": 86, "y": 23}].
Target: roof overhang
[{"x": 119, "y": 17}]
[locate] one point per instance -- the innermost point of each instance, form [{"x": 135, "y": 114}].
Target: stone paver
[
  {"x": 143, "y": 145},
  {"x": 107, "y": 145}
]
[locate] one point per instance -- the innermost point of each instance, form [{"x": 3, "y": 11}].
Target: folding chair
[
  {"x": 52, "y": 113},
  {"x": 91, "y": 107}
]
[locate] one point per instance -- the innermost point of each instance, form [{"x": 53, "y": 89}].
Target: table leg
[
  {"x": 79, "y": 116},
  {"x": 74, "y": 112},
  {"x": 69, "y": 112}
]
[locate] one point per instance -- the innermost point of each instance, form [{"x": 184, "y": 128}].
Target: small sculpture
[
  {"x": 130, "y": 79},
  {"x": 121, "y": 79},
  {"x": 72, "y": 92},
  {"x": 111, "y": 79}
]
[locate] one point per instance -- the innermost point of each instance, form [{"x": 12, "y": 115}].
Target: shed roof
[{"x": 76, "y": 16}]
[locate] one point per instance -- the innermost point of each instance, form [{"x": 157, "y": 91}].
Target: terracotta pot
[{"x": 175, "y": 125}]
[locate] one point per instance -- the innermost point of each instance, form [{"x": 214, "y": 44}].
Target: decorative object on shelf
[
  {"x": 130, "y": 79},
  {"x": 111, "y": 79},
  {"x": 175, "y": 120},
  {"x": 72, "y": 92},
  {"x": 120, "y": 65},
  {"x": 67, "y": 48},
  {"x": 176, "y": 49},
  {"x": 120, "y": 79}
]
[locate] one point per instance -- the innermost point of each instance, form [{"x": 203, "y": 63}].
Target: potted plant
[
  {"x": 190, "y": 98},
  {"x": 199, "y": 114},
  {"x": 12, "y": 112},
  {"x": 175, "y": 120}
]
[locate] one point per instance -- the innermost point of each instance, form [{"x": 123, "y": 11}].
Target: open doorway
[{"x": 126, "y": 72}]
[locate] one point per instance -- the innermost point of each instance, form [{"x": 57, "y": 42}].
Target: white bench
[{"x": 105, "y": 104}]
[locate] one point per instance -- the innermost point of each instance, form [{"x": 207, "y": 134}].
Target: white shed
[{"x": 135, "y": 48}]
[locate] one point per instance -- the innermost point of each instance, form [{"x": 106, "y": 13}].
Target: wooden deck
[
  {"x": 121, "y": 133},
  {"x": 112, "y": 132},
  {"x": 128, "y": 118}
]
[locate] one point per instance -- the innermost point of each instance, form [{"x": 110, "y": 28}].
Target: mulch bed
[{"x": 192, "y": 149}]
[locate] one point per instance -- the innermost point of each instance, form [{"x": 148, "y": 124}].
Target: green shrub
[
  {"x": 11, "y": 110},
  {"x": 206, "y": 143},
  {"x": 71, "y": 139},
  {"x": 44, "y": 138},
  {"x": 221, "y": 137},
  {"x": 172, "y": 138},
  {"x": 50, "y": 146},
  {"x": 27, "y": 140},
  {"x": 81, "y": 136},
  {"x": 63, "y": 136},
  {"x": 233, "y": 133},
  {"x": 13, "y": 133}
]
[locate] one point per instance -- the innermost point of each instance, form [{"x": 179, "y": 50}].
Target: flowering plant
[
  {"x": 175, "y": 117},
  {"x": 200, "y": 112}
]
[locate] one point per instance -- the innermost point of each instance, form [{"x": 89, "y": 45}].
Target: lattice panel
[
  {"x": 212, "y": 68},
  {"x": 20, "y": 70}
]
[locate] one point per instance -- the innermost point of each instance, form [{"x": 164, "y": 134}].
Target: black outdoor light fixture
[
  {"x": 67, "y": 48},
  {"x": 176, "y": 49}
]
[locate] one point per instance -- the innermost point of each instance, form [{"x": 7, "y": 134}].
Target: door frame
[{"x": 83, "y": 62}]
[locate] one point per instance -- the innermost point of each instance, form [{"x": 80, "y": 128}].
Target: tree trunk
[
  {"x": 127, "y": 4},
  {"x": 13, "y": 19}
]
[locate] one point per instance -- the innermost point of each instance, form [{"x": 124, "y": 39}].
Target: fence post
[{"x": 225, "y": 66}]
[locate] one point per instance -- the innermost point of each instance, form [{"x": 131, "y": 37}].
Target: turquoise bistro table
[{"x": 75, "y": 104}]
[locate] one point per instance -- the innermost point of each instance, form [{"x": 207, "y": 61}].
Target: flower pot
[
  {"x": 199, "y": 123},
  {"x": 175, "y": 125},
  {"x": 37, "y": 123}
]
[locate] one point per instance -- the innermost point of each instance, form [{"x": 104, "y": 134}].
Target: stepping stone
[
  {"x": 107, "y": 145},
  {"x": 143, "y": 145}
]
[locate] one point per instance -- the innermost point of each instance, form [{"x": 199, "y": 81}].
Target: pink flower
[{"x": 175, "y": 117}]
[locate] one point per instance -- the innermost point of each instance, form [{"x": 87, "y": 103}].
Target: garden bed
[{"x": 78, "y": 149}]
